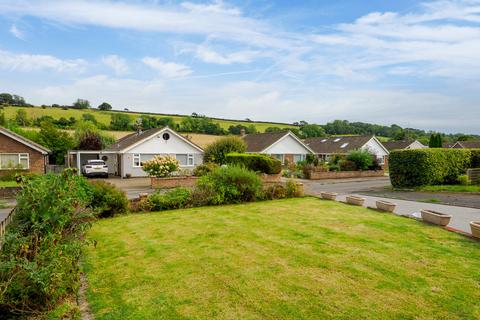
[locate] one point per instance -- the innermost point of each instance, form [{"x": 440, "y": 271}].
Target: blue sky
[{"x": 406, "y": 62}]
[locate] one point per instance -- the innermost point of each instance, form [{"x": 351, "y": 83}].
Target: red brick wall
[
  {"x": 9, "y": 145},
  {"x": 173, "y": 182},
  {"x": 317, "y": 175}
]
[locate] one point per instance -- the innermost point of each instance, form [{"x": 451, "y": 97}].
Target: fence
[
  {"x": 474, "y": 176},
  {"x": 4, "y": 224}
]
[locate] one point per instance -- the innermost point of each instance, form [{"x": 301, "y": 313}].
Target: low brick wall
[
  {"x": 270, "y": 178},
  {"x": 173, "y": 182},
  {"x": 318, "y": 175},
  {"x": 8, "y": 192}
]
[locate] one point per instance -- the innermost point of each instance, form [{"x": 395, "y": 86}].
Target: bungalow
[
  {"x": 324, "y": 148},
  {"x": 403, "y": 145},
  {"x": 467, "y": 144},
  {"x": 17, "y": 152},
  {"x": 125, "y": 157},
  {"x": 285, "y": 146}
]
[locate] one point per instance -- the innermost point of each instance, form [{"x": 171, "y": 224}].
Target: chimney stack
[{"x": 242, "y": 132}]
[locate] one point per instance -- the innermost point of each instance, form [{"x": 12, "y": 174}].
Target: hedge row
[
  {"x": 255, "y": 162},
  {"x": 413, "y": 168},
  {"x": 475, "y": 158}
]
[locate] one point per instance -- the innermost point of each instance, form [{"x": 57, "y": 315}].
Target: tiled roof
[
  {"x": 258, "y": 142},
  {"x": 469, "y": 144},
  {"x": 340, "y": 144},
  {"x": 24, "y": 140},
  {"x": 397, "y": 145}
]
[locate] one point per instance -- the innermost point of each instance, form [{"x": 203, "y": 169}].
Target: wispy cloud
[
  {"x": 16, "y": 32},
  {"x": 209, "y": 55},
  {"x": 118, "y": 64},
  {"x": 33, "y": 62},
  {"x": 167, "y": 69}
]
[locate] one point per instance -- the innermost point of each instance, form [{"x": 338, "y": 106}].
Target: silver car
[{"x": 95, "y": 168}]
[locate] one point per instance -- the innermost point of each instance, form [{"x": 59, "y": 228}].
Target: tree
[
  {"x": 435, "y": 140},
  {"x": 312, "y": 130},
  {"x": 238, "y": 128},
  {"x": 59, "y": 142},
  {"x": 216, "y": 152},
  {"x": 89, "y": 117},
  {"x": 6, "y": 98},
  {"x": 88, "y": 137},
  {"x": 120, "y": 121},
  {"x": 21, "y": 118},
  {"x": 105, "y": 106},
  {"x": 81, "y": 104}
]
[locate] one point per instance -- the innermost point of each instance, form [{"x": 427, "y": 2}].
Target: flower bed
[
  {"x": 270, "y": 178},
  {"x": 318, "y": 175},
  {"x": 173, "y": 182}
]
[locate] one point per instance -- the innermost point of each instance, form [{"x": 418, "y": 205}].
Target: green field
[
  {"x": 105, "y": 116},
  {"x": 286, "y": 259}
]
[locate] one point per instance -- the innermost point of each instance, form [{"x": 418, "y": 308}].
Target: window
[
  {"x": 278, "y": 157},
  {"x": 381, "y": 160},
  {"x": 186, "y": 160},
  {"x": 136, "y": 160},
  {"x": 14, "y": 161},
  {"x": 336, "y": 140},
  {"x": 323, "y": 140},
  {"x": 344, "y": 145},
  {"x": 298, "y": 157}
]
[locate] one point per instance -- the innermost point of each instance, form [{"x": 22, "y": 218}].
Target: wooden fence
[
  {"x": 474, "y": 176},
  {"x": 4, "y": 224}
]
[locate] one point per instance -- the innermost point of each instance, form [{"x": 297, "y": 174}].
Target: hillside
[{"x": 104, "y": 117}]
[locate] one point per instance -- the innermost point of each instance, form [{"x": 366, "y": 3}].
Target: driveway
[
  {"x": 461, "y": 216},
  {"x": 132, "y": 187}
]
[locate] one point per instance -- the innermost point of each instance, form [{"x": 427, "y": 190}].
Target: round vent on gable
[{"x": 166, "y": 136}]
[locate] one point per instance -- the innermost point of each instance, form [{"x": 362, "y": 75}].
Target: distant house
[
  {"x": 17, "y": 152},
  {"x": 285, "y": 146},
  {"x": 125, "y": 157},
  {"x": 403, "y": 145},
  {"x": 324, "y": 148},
  {"x": 467, "y": 144}
]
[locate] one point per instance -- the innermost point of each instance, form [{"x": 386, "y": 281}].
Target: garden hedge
[
  {"x": 475, "y": 158},
  {"x": 413, "y": 168},
  {"x": 255, "y": 162}
]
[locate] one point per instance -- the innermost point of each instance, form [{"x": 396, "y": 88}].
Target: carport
[{"x": 77, "y": 158}]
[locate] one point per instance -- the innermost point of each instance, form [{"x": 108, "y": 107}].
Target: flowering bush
[{"x": 161, "y": 166}]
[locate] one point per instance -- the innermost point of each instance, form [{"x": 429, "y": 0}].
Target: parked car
[{"x": 95, "y": 168}]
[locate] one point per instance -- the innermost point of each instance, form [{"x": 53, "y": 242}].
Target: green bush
[
  {"x": 42, "y": 245},
  {"x": 217, "y": 151},
  {"x": 362, "y": 159},
  {"x": 293, "y": 189},
  {"x": 347, "y": 165},
  {"x": 174, "y": 199},
  {"x": 205, "y": 168},
  {"x": 108, "y": 200},
  {"x": 276, "y": 191},
  {"x": 414, "y": 168},
  {"x": 230, "y": 184},
  {"x": 475, "y": 163},
  {"x": 463, "y": 180},
  {"x": 255, "y": 162}
]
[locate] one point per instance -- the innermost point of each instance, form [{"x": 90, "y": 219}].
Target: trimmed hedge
[
  {"x": 413, "y": 168},
  {"x": 255, "y": 162}
]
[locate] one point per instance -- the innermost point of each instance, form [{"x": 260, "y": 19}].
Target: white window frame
[
  {"x": 279, "y": 154},
  {"x": 302, "y": 157},
  {"x": 21, "y": 156},
  {"x": 190, "y": 160},
  {"x": 134, "y": 158}
]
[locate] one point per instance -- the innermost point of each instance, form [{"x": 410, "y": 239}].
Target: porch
[{"x": 77, "y": 158}]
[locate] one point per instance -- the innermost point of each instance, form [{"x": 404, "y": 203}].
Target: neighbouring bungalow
[
  {"x": 125, "y": 157},
  {"x": 284, "y": 146},
  {"x": 404, "y": 145},
  {"x": 324, "y": 148},
  {"x": 19, "y": 153},
  {"x": 467, "y": 144}
]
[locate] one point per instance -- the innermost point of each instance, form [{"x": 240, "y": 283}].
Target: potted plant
[
  {"x": 385, "y": 205},
  {"x": 356, "y": 201},
  {"x": 475, "y": 227},
  {"x": 329, "y": 195},
  {"x": 434, "y": 217}
]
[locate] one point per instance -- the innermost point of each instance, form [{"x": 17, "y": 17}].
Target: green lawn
[
  {"x": 8, "y": 184},
  {"x": 287, "y": 259},
  {"x": 451, "y": 188}
]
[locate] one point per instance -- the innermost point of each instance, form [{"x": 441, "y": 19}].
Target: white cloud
[
  {"x": 33, "y": 62},
  {"x": 210, "y": 56},
  {"x": 118, "y": 64},
  {"x": 167, "y": 69},
  {"x": 17, "y": 32},
  {"x": 217, "y": 6}
]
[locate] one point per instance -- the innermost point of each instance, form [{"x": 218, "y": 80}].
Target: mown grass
[
  {"x": 451, "y": 188},
  {"x": 287, "y": 259},
  {"x": 8, "y": 184},
  {"x": 104, "y": 117}
]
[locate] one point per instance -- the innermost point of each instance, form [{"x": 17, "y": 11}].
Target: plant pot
[
  {"x": 329, "y": 195},
  {"x": 475, "y": 227},
  {"x": 356, "y": 201},
  {"x": 385, "y": 205},
  {"x": 438, "y": 218}
]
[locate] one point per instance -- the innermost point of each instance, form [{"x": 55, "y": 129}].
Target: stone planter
[
  {"x": 329, "y": 195},
  {"x": 173, "y": 182},
  {"x": 385, "y": 206},
  {"x": 356, "y": 201},
  {"x": 475, "y": 227},
  {"x": 438, "y": 218}
]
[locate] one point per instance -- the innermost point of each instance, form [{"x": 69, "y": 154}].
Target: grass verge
[{"x": 451, "y": 188}]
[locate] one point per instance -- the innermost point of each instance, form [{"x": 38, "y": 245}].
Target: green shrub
[
  {"x": 463, "y": 180},
  {"x": 230, "y": 184},
  {"x": 174, "y": 199},
  {"x": 293, "y": 189},
  {"x": 42, "y": 245},
  {"x": 347, "y": 165},
  {"x": 475, "y": 163},
  {"x": 276, "y": 191},
  {"x": 414, "y": 168},
  {"x": 11, "y": 175},
  {"x": 255, "y": 162},
  {"x": 362, "y": 159},
  {"x": 217, "y": 151},
  {"x": 205, "y": 168},
  {"x": 108, "y": 200}
]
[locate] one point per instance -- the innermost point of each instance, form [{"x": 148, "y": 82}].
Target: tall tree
[
  {"x": 81, "y": 104},
  {"x": 56, "y": 140},
  {"x": 105, "y": 106},
  {"x": 120, "y": 121}
]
